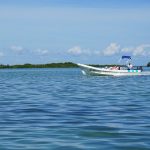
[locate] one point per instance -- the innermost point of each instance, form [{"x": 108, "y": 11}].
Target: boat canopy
[{"x": 126, "y": 57}]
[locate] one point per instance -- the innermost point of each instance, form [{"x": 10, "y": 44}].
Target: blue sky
[{"x": 85, "y": 31}]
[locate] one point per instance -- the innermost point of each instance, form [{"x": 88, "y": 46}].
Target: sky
[{"x": 79, "y": 31}]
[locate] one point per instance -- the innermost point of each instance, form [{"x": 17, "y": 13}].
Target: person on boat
[
  {"x": 141, "y": 68},
  {"x": 114, "y": 68},
  {"x": 130, "y": 66}
]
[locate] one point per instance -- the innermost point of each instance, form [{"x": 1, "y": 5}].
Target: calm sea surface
[{"x": 60, "y": 109}]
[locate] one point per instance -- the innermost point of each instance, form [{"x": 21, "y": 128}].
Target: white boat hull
[{"x": 89, "y": 70}]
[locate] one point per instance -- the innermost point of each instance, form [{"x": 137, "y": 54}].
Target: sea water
[{"x": 60, "y": 109}]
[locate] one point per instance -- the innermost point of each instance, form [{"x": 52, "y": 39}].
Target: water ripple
[{"x": 60, "y": 109}]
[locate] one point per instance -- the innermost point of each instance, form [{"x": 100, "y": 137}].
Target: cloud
[
  {"x": 112, "y": 49},
  {"x": 1, "y": 54},
  {"x": 97, "y": 52},
  {"x": 42, "y": 51},
  {"x": 141, "y": 50},
  {"x": 127, "y": 49},
  {"x": 17, "y": 49},
  {"x": 76, "y": 50}
]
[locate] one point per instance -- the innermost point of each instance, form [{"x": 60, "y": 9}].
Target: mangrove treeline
[{"x": 51, "y": 65}]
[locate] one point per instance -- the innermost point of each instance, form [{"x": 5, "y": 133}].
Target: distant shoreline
[{"x": 52, "y": 65}]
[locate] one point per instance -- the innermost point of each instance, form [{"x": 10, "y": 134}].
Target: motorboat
[{"x": 126, "y": 70}]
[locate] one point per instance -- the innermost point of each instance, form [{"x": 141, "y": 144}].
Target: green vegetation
[
  {"x": 148, "y": 65},
  {"x": 52, "y": 65}
]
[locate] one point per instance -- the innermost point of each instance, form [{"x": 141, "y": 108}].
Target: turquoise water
[{"x": 60, "y": 109}]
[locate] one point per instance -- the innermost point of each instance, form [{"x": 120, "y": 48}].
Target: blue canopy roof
[{"x": 126, "y": 57}]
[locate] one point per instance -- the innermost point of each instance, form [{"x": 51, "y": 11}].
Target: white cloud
[
  {"x": 1, "y": 54},
  {"x": 141, "y": 50},
  {"x": 76, "y": 50},
  {"x": 17, "y": 49},
  {"x": 112, "y": 49},
  {"x": 97, "y": 52},
  {"x": 127, "y": 49},
  {"x": 42, "y": 51},
  {"x": 20, "y": 50}
]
